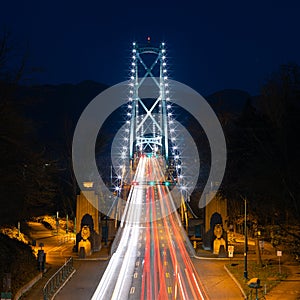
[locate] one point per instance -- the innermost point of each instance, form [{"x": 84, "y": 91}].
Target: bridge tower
[{"x": 148, "y": 118}]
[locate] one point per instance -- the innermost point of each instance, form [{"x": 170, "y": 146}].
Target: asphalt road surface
[
  {"x": 81, "y": 286},
  {"x": 152, "y": 260}
]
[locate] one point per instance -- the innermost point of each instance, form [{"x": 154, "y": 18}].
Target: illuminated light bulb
[
  {"x": 166, "y": 77},
  {"x": 166, "y": 84},
  {"x": 167, "y": 92},
  {"x": 134, "y": 50},
  {"x": 171, "y": 122},
  {"x": 164, "y": 64},
  {"x": 168, "y": 99},
  {"x": 133, "y": 43},
  {"x": 172, "y": 130},
  {"x": 165, "y": 71},
  {"x": 131, "y": 84},
  {"x": 168, "y": 106},
  {"x": 133, "y": 57},
  {"x": 127, "y": 130},
  {"x": 163, "y": 50},
  {"x": 163, "y": 57},
  {"x": 131, "y": 92},
  {"x": 128, "y": 114},
  {"x": 132, "y": 77},
  {"x": 127, "y": 121},
  {"x": 130, "y": 99},
  {"x": 176, "y": 156},
  {"x": 132, "y": 70},
  {"x": 129, "y": 106},
  {"x": 133, "y": 63}
]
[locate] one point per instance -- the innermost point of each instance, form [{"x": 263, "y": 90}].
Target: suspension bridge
[{"x": 152, "y": 253}]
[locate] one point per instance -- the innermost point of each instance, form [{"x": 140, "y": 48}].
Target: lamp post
[{"x": 245, "y": 242}]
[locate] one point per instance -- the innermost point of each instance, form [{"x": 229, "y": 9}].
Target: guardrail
[
  {"x": 66, "y": 238},
  {"x": 55, "y": 282}
]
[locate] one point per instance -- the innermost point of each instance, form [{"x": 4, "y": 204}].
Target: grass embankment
[
  {"x": 16, "y": 254},
  {"x": 18, "y": 259},
  {"x": 267, "y": 273}
]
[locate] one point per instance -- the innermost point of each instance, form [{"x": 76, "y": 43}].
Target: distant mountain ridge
[
  {"x": 229, "y": 100},
  {"x": 51, "y": 105}
]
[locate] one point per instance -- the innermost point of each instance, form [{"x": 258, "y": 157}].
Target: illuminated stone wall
[
  {"x": 83, "y": 206},
  {"x": 216, "y": 205}
]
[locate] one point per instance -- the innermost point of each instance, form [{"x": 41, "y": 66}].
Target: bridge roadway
[{"x": 152, "y": 260}]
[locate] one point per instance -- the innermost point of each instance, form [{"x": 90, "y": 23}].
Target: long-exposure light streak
[{"x": 151, "y": 261}]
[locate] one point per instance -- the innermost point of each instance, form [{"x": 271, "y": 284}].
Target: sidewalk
[
  {"x": 57, "y": 248},
  {"x": 286, "y": 289},
  {"x": 50, "y": 242},
  {"x": 289, "y": 288}
]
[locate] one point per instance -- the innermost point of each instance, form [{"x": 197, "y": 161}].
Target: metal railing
[{"x": 54, "y": 283}]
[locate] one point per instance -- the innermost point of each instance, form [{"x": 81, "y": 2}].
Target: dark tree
[
  {"x": 263, "y": 153},
  {"x": 27, "y": 176}
]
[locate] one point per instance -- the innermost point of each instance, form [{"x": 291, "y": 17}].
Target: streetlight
[{"x": 245, "y": 242}]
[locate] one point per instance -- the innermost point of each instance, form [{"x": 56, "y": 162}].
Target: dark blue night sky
[{"x": 212, "y": 45}]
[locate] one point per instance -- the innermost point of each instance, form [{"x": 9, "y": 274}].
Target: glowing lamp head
[{"x": 88, "y": 184}]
